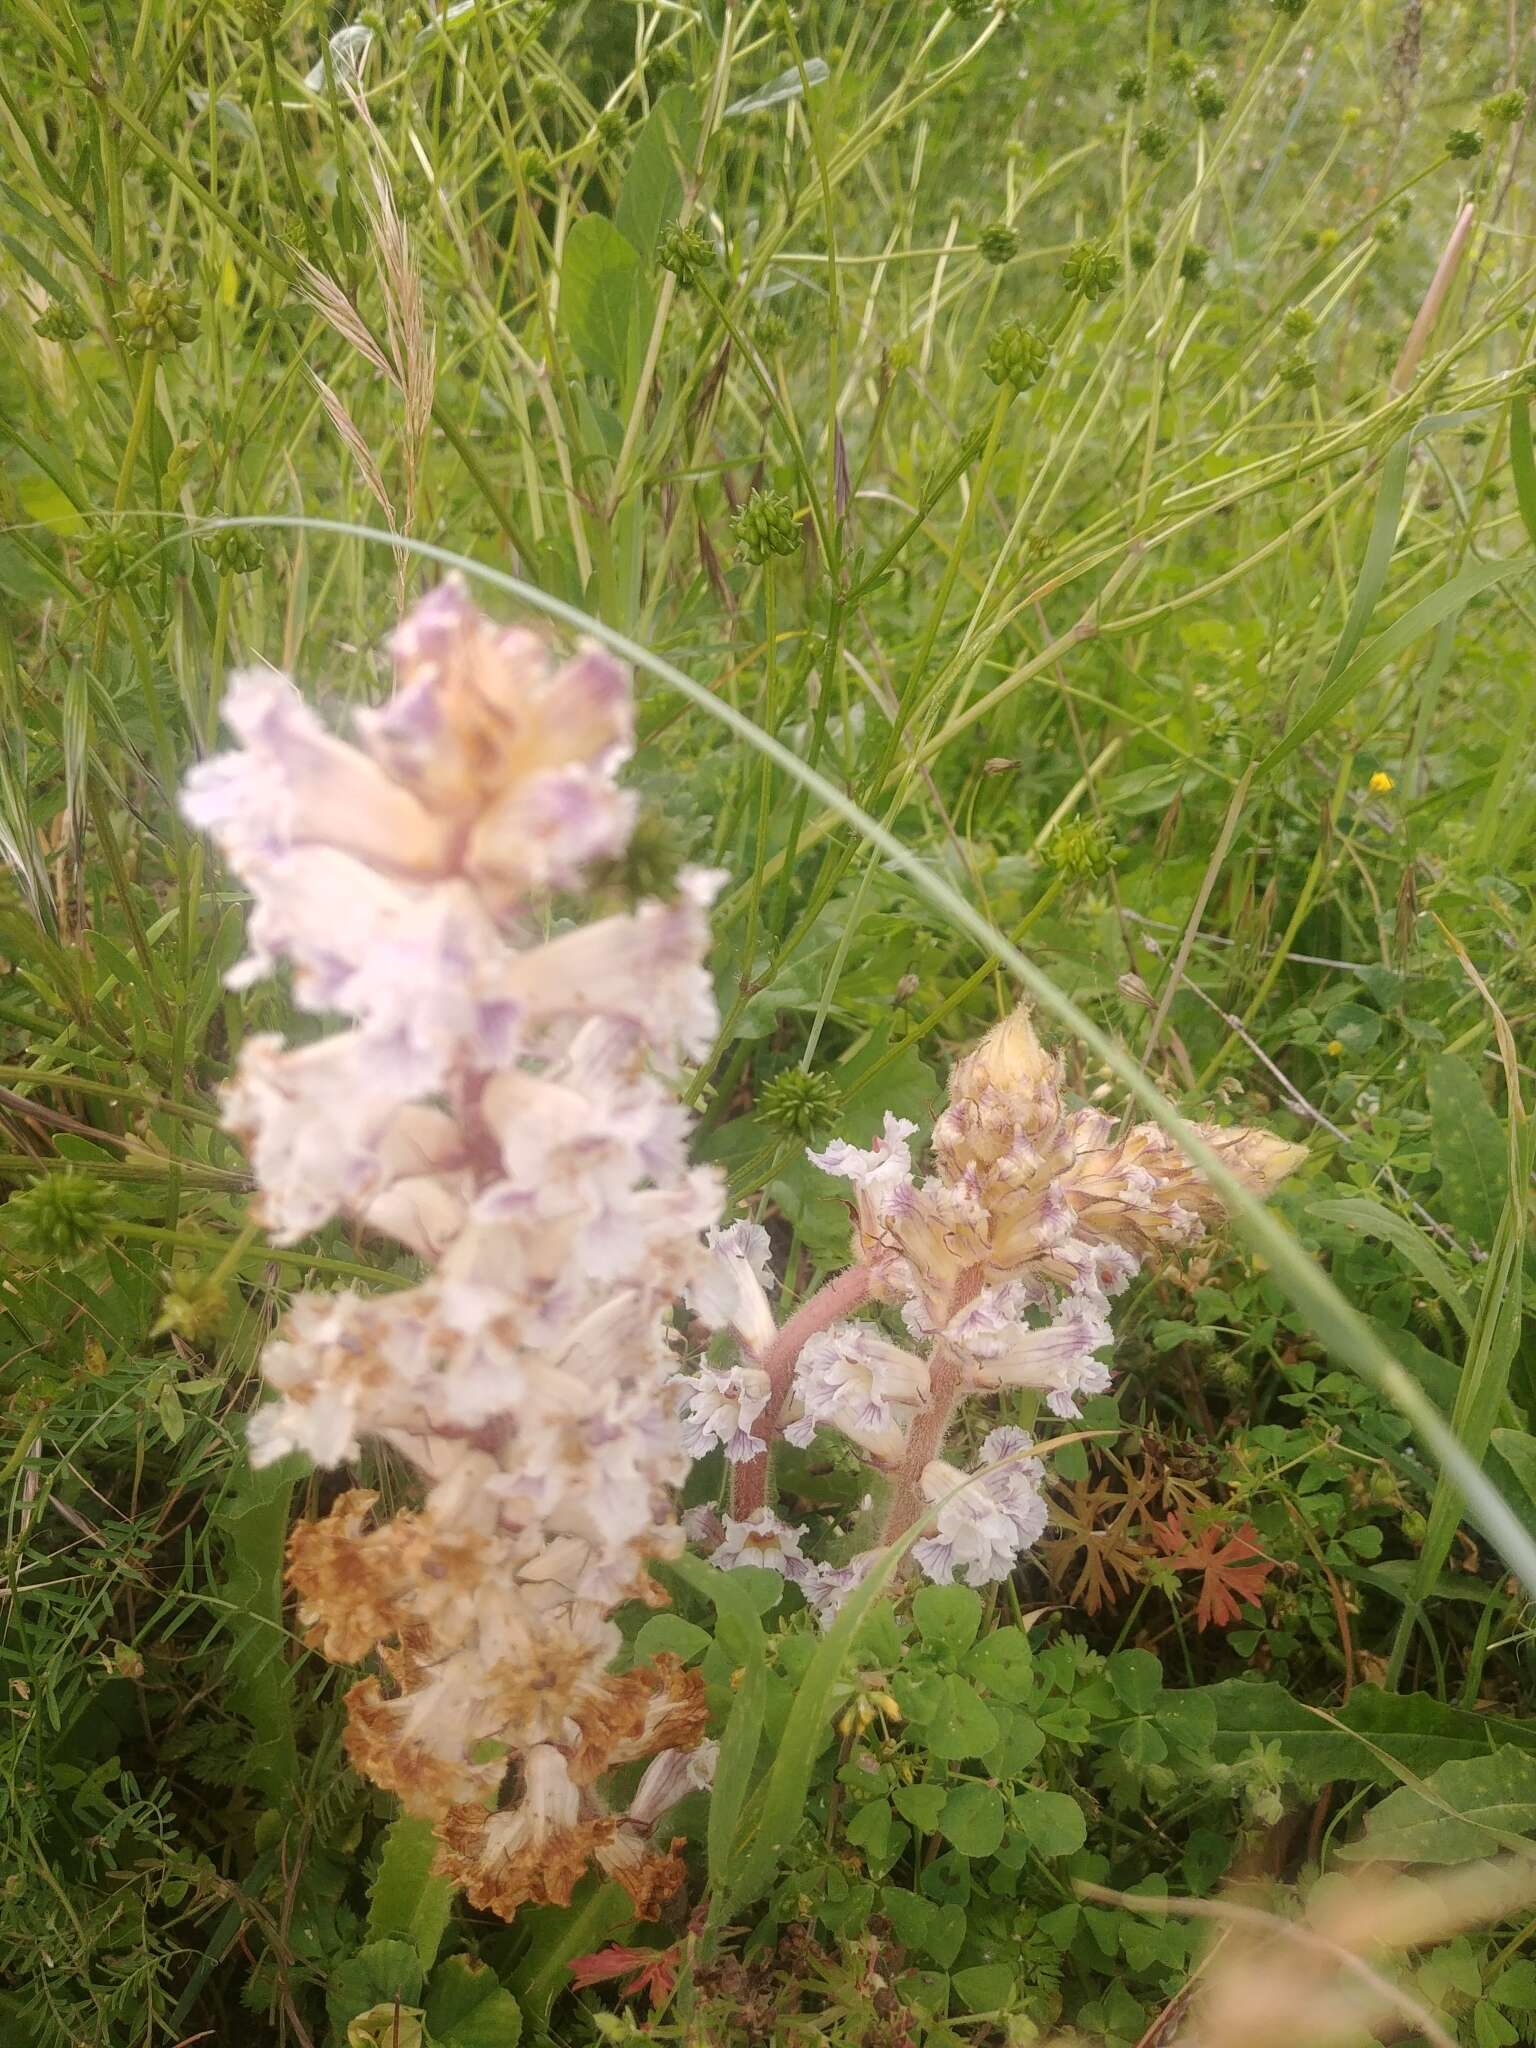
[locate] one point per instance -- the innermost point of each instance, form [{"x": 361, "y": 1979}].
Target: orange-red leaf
[{"x": 1233, "y": 1570}]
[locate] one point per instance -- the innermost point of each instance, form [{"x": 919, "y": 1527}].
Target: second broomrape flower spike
[
  {"x": 499, "y": 1103},
  {"x": 1002, "y": 1263}
]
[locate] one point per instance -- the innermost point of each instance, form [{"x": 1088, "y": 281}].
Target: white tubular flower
[
  {"x": 671, "y": 1777},
  {"x": 880, "y": 1177},
  {"x": 494, "y": 1103},
  {"x": 986, "y": 1520},
  {"x": 850, "y": 1378},
  {"x": 1058, "y": 1360},
  {"x": 732, "y": 1290},
  {"x": 762, "y": 1539},
  {"x": 722, "y": 1408}
]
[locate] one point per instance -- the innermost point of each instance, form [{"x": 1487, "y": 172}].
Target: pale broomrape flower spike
[
  {"x": 1001, "y": 1265},
  {"x": 497, "y": 1103}
]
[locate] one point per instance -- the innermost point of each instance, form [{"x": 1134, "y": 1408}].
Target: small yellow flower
[
  {"x": 1335, "y": 1046},
  {"x": 1380, "y": 783}
]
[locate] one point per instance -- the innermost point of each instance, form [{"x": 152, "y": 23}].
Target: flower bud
[
  {"x": 1091, "y": 271},
  {"x": 1082, "y": 849},
  {"x": 1155, "y": 141},
  {"x": 800, "y": 1103},
  {"x": 997, "y": 243},
  {"x": 61, "y": 1215},
  {"x": 1207, "y": 97},
  {"x": 686, "y": 253},
  {"x": 1504, "y": 108},
  {"x": 1463, "y": 144},
  {"x": 61, "y": 320},
  {"x": 1194, "y": 263},
  {"x": 1017, "y": 355},
  {"x": 159, "y": 315},
  {"x": 1131, "y": 86},
  {"x": 234, "y": 550},
  {"x": 765, "y": 526}
]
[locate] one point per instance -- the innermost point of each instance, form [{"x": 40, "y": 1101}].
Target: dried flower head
[{"x": 498, "y": 1103}]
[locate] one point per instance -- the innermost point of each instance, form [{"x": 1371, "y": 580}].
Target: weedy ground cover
[{"x": 1063, "y": 479}]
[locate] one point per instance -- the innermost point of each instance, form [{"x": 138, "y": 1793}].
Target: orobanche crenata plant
[{"x": 500, "y": 1104}]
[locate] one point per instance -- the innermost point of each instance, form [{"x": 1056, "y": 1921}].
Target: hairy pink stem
[
  {"x": 925, "y": 1440},
  {"x": 842, "y": 1294}
]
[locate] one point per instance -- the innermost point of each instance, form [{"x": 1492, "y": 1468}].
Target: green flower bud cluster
[
  {"x": 1297, "y": 370},
  {"x": 765, "y": 526},
  {"x": 802, "y": 1105},
  {"x": 195, "y": 1308},
  {"x": 669, "y": 64},
  {"x": 1463, "y": 144},
  {"x": 1297, "y": 323},
  {"x": 1289, "y": 10},
  {"x": 998, "y": 242},
  {"x": 1143, "y": 250},
  {"x": 1207, "y": 97},
  {"x": 533, "y": 165},
  {"x": 1155, "y": 141},
  {"x": 1082, "y": 849},
  {"x": 1091, "y": 271},
  {"x": 61, "y": 320},
  {"x": 1504, "y": 109},
  {"x": 234, "y": 550},
  {"x": 159, "y": 315},
  {"x": 1181, "y": 67},
  {"x": 686, "y": 252},
  {"x": 1017, "y": 355},
  {"x": 263, "y": 17},
  {"x": 1194, "y": 263},
  {"x": 771, "y": 331},
  {"x": 1131, "y": 87},
  {"x": 610, "y": 128},
  {"x": 109, "y": 560},
  {"x": 60, "y": 1215}
]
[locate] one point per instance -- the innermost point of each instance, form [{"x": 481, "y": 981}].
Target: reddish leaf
[
  {"x": 655, "y": 1970},
  {"x": 1234, "y": 1570}
]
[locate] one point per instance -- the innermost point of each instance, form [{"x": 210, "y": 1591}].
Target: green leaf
[
  {"x": 1372, "y": 1740},
  {"x": 652, "y": 193},
  {"x": 972, "y": 1821},
  {"x": 377, "y": 1975},
  {"x": 1517, "y": 1447},
  {"x": 1137, "y": 1678},
  {"x": 985, "y": 1987},
  {"x": 1051, "y": 1822},
  {"x": 1004, "y": 1663},
  {"x": 1467, "y": 1145},
  {"x": 467, "y": 2008},
  {"x": 407, "y": 1903},
  {"x": 741, "y": 1635},
  {"x": 872, "y": 1830},
  {"x": 920, "y": 1804},
  {"x": 962, "y": 1726},
  {"x": 684, "y": 1639},
  {"x": 604, "y": 295},
  {"x": 1462, "y": 1811},
  {"x": 1419, "y": 619},
  {"x": 947, "y": 1617},
  {"x": 1374, "y": 1219}
]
